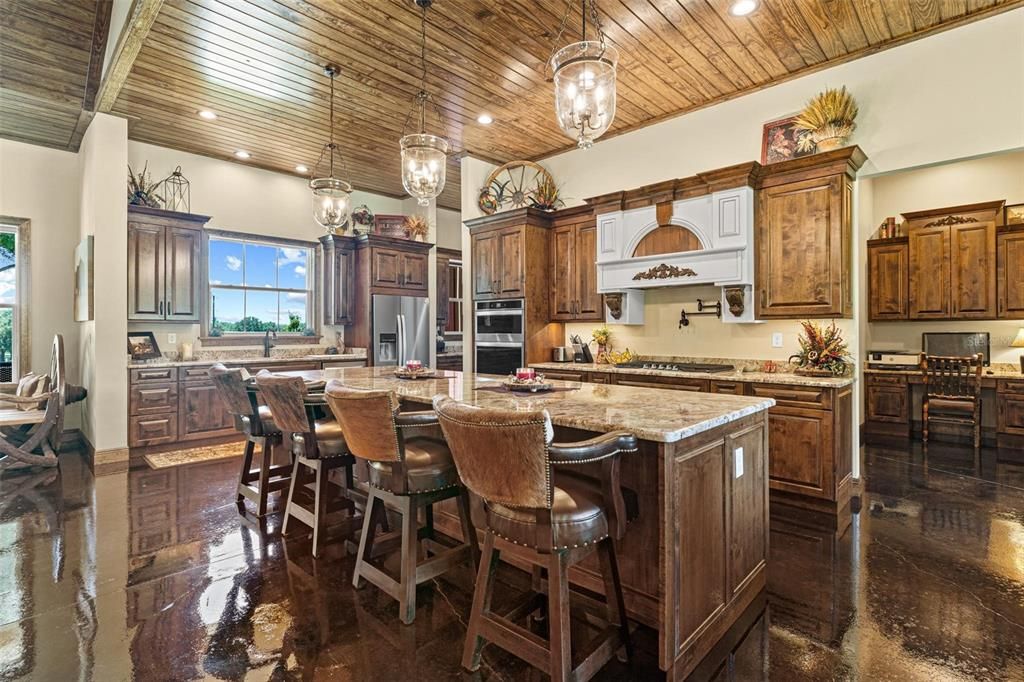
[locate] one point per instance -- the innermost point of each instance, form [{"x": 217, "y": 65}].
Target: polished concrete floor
[{"x": 150, "y": 575}]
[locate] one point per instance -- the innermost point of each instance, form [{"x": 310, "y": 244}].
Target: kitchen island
[{"x": 694, "y": 557}]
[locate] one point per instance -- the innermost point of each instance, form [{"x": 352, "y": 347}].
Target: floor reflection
[{"x": 150, "y": 575}]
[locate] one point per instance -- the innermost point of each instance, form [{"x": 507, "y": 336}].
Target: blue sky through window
[{"x": 272, "y": 281}]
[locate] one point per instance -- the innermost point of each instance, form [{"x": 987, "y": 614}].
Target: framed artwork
[
  {"x": 390, "y": 226},
  {"x": 83, "y": 302},
  {"x": 142, "y": 346},
  {"x": 780, "y": 141},
  {"x": 1015, "y": 214}
]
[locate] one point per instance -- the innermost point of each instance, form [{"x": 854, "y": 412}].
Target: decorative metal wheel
[{"x": 516, "y": 184}]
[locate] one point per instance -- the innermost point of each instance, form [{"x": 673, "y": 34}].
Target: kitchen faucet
[{"x": 267, "y": 343}]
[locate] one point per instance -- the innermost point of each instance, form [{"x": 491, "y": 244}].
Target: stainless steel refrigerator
[{"x": 402, "y": 330}]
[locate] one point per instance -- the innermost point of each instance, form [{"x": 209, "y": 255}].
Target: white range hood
[{"x": 719, "y": 230}]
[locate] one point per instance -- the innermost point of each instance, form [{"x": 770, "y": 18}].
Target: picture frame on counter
[
  {"x": 780, "y": 141},
  {"x": 143, "y": 346}
]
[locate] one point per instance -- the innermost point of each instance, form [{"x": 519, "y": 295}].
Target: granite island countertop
[
  {"x": 654, "y": 414},
  {"x": 786, "y": 378}
]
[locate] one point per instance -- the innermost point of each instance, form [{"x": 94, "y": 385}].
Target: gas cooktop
[{"x": 677, "y": 366}]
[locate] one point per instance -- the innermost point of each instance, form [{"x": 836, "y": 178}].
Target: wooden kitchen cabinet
[
  {"x": 202, "y": 413},
  {"x": 1010, "y": 273},
  {"x": 1010, "y": 406},
  {"x": 338, "y": 258},
  {"x": 510, "y": 254},
  {"x": 888, "y": 279},
  {"x": 952, "y": 256},
  {"x": 511, "y": 263},
  {"x": 395, "y": 266},
  {"x": 164, "y": 268},
  {"x": 887, "y": 399},
  {"x": 485, "y": 248},
  {"x": 574, "y": 294},
  {"x": 803, "y": 236}
]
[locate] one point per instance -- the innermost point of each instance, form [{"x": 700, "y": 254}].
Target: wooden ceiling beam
[{"x": 140, "y": 19}]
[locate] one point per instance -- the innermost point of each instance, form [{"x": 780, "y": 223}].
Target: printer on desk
[{"x": 894, "y": 360}]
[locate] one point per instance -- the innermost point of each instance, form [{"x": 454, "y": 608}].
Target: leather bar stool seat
[
  {"x": 428, "y": 467},
  {"x": 266, "y": 422},
  {"x": 577, "y": 517},
  {"x": 330, "y": 441}
]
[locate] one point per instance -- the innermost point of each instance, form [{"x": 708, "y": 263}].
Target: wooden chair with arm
[
  {"x": 32, "y": 418},
  {"x": 952, "y": 392},
  {"x": 256, "y": 423},
  {"x": 318, "y": 448},
  {"x": 507, "y": 458},
  {"x": 406, "y": 472}
]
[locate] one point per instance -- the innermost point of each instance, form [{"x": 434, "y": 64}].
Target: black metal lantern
[{"x": 176, "y": 192}]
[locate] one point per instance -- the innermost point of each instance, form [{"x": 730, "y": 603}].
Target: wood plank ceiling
[
  {"x": 258, "y": 65},
  {"x": 51, "y": 53}
]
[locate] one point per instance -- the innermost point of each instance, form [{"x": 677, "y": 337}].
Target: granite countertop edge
[
  {"x": 750, "y": 377},
  {"x": 156, "y": 364}
]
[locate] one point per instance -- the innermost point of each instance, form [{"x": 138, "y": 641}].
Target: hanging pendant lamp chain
[
  {"x": 423, "y": 98},
  {"x": 331, "y": 147}
]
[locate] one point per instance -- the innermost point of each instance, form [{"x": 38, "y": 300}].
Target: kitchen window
[
  {"x": 453, "y": 325},
  {"x": 11, "y": 318},
  {"x": 259, "y": 284}
]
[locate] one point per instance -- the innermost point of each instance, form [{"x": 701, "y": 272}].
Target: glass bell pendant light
[
  {"x": 332, "y": 197},
  {"x": 424, "y": 156},
  {"x": 584, "y": 76}
]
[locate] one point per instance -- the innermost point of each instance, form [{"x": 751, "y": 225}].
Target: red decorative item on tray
[{"x": 531, "y": 384}]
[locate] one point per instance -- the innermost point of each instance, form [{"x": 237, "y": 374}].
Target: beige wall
[
  {"x": 999, "y": 176},
  {"x": 41, "y": 185},
  {"x": 102, "y": 343}
]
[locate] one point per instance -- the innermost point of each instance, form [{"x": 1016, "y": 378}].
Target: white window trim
[
  {"x": 22, "y": 324},
  {"x": 312, "y": 318}
]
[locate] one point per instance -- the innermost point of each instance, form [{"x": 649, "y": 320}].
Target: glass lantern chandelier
[
  {"x": 332, "y": 197},
  {"x": 424, "y": 156},
  {"x": 584, "y": 75}
]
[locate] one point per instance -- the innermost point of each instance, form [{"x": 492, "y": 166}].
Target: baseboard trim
[{"x": 102, "y": 462}]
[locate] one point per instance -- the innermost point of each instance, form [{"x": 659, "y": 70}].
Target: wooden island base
[{"x": 694, "y": 558}]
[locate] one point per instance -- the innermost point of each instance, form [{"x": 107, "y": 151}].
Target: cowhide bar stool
[
  {"x": 406, "y": 473},
  {"x": 507, "y": 458},
  {"x": 256, "y": 423},
  {"x": 318, "y": 447}
]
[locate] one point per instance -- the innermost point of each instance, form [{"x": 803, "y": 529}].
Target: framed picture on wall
[
  {"x": 1015, "y": 214},
  {"x": 142, "y": 346},
  {"x": 780, "y": 141},
  {"x": 83, "y": 301}
]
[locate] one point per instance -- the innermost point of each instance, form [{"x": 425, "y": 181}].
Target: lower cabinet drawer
[
  {"x": 152, "y": 398},
  {"x": 673, "y": 383},
  {"x": 1011, "y": 414},
  {"x": 1013, "y": 386},
  {"x": 152, "y": 429},
  {"x": 733, "y": 387},
  {"x": 563, "y": 376},
  {"x": 797, "y": 396}
]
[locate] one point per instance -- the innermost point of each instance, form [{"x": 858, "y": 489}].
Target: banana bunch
[{"x": 615, "y": 357}]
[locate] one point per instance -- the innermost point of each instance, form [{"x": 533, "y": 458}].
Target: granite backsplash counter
[{"x": 741, "y": 373}]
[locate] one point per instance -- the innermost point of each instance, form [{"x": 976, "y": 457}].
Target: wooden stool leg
[
  {"x": 296, "y": 473},
  {"x": 410, "y": 543},
  {"x": 319, "y": 505},
  {"x": 468, "y": 530},
  {"x": 613, "y": 593},
  {"x": 559, "y": 630},
  {"x": 264, "y": 492},
  {"x": 243, "y": 476},
  {"x": 366, "y": 539},
  {"x": 924, "y": 422},
  {"x": 481, "y": 604}
]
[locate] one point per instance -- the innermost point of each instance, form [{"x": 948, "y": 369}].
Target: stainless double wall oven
[{"x": 499, "y": 336}]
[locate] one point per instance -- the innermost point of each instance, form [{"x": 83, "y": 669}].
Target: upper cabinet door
[
  {"x": 929, "y": 273},
  {"x": 803, "y": 236},
  {"x": 512, "y": 266},
  {"x": 145, "y": 272},
  {"x": 181, "y": 277},
  {"x": 485, "y": 263},
  {"x": 563, "y": 255},
  {"x": 385, "y": 268},
  {"x": 1010, "y": 284},
  {"x": 415, "y": 270},
  {"x": 888, "y": 280},
  {"x": 973, "y": 260},
  {"x": 589, "y": 303}
]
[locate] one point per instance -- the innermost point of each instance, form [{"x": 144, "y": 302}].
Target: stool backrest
[
  {"x": 230, "y": 385},
  {"x": 367, "y": 418},
  {"x": 285, "y": 396},
  {"x": 501, "y": 455},
  {"x": 952, "y": 377}
]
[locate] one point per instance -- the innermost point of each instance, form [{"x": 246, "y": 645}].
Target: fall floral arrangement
[
  {"x": 828, "y": 119},
  {"x": 546, "y": 195},
  {"x": 416, "y": 227},
  {"x": 823, "y": 352},
  {"x": 142, "y": 191}
]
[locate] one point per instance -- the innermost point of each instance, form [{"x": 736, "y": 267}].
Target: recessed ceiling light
[
  {"x": 484, "y": 119},
  {"x": 207, "y": 114},
  {"x": 301, "y": 169},
  {"x": 742, "y": 8},
  {"x": 242, "y": 154}
]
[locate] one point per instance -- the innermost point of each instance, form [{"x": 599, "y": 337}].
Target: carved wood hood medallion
[{"x": 664, "y": 271}]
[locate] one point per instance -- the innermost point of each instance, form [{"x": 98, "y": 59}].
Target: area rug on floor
[{"x": 162, "y": 460}]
